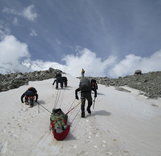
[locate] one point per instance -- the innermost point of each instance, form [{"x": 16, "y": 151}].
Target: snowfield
[{"x": 123, "y": 123}]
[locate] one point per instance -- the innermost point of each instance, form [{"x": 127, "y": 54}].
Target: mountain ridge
[{"x": 149, "y": 83}]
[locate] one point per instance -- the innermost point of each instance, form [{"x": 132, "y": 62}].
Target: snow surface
[{"x": 123, "y": 123}]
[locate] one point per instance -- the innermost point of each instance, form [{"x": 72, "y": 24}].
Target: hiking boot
[
  {"x": 89, "y": 111},
  {"x": 83, "y": 115},
  {"x": 31, "y": 105},
  {"x": 26, "y": 103}
]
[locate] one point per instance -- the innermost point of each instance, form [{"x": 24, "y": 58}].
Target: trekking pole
[
  {"x": 94, "y": 102},
  {"x": 38, "y": 107}
]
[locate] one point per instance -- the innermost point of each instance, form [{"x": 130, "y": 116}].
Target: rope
[
  {"x": 71, "y": 105},
  {"x": 75, "y": 116},
  {"x": 44, "y": 107},
  {"x": 61, "y": 99},
  {"x": 73, "y": 108},
  {"x": 76, "y": 124},
  {"x": 94, "y": 102},
  {"x": 57, "y": 98}
]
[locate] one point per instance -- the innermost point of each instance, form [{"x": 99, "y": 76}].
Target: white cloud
[
  {"x": 95, "y": 66},
  {"x": 132, "y": 62},
  {"x": 89, "y": 61},
  {"x": 58, "y": 42},
  {"x": 12, "y": 52},
  {"x": 33, "y": 33},
  {"x": 126, "y": 66},
  {"x": 30, "y": 13},
  {"x": 14, "y": 56},
  {"x": 11, "y": 11},
  {"x": 38, "y": 65},
  {"x": 15, "y": 21},
  {"x": 3, "y": 30}
]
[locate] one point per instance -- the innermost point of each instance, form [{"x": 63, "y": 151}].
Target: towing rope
[
  {"x": 58, "y": 93},
  {"x": 73, "y": 108},
  {"x": 75, "y": 116},
  {"x": 43, "y": 107}
]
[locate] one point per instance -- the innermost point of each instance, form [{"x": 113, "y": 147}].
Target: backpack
[
  {"x": 85, "y": 85},
  {"x": 32, "y": 89},
  {"x": 94, "y": 84}
]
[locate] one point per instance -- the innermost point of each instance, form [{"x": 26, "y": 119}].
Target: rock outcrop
[
  {"x": 15, "y": 80},
  {"x": 149, "y": 83}
]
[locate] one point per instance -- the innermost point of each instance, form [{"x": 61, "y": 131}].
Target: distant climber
[
  {"x": 138, "y": 72},
  {"x": 82, "y": 72},
  {"x": 58, "y": 80},
  {"x": 30, "y": 96},
  {"x": 85, "y": 89}
]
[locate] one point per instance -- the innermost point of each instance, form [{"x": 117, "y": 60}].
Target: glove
[
  {"x": 22, "y": 101},
  {"x": 95, "y": 96},
  {"x": 77, "y": 97}
]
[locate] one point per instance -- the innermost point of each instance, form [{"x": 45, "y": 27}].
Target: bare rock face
[
  {"x": 149, "y": 83},
  {"x": 15, "y": 80}
]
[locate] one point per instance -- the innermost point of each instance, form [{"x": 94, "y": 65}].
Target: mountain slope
[{"x": 121, "y": 124}]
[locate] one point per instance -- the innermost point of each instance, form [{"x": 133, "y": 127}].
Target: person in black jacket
[
  {"x": 30, "y": 93},
  {"x": 58, "y": 80},
  {"x": 85, "y": 89}
]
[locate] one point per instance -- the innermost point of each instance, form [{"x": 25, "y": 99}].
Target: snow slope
[{"x": 121, "y": 124}]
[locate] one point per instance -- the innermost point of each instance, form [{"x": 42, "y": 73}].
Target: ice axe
[
  {"x": 38, "y": 106},
  {"x": 94, "y": 102}
]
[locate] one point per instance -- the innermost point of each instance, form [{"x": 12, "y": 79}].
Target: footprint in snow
[
  {"x": 154, "y": 105},
  {"x": 3, "y": 148}
]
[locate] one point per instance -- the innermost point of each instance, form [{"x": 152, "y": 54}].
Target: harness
[{"x": 30, "y": 97}]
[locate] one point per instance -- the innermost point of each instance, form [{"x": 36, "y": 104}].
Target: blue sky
[{"x": 106, "y": 37}]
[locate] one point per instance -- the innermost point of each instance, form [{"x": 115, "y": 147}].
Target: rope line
[
  {"x": 71, "y": 105},
  {"x": 57, "y": 98},
  {"x": 73, "y": 108},
  {"x": 43, "y": 107},
  {"x": 62, "y": 97},
  {"x": 75, "y": 116}
]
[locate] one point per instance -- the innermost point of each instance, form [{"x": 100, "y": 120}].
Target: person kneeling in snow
[{"x": 29, "y": 95}]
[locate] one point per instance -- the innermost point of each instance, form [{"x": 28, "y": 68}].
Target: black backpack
[
  {"x": 85, "y": 85},
  {"x": 94, "y": 84}
]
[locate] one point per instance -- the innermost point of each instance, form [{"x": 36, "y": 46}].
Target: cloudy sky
[{"x": 105, "y": 37}]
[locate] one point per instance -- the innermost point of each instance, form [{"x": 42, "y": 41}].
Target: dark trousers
[
  {"x": 86, "y": 96},
  {"x": 65, "y": 83},
  {"x": 61, "y": 84}
]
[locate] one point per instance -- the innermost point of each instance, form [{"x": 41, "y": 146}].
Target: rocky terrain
[
  {"x": 148, "y": 83},
  {"x": 15, "y": 80}
]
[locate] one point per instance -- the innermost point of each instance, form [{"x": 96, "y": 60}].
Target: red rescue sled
[{"x": 62, "y": 134}]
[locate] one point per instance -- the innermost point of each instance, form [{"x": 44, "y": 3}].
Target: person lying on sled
[{"x": 58, "y": 120}]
